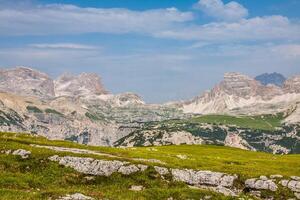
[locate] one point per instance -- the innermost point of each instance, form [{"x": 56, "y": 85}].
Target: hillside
[
  {"x": 267, "y": 133},
  {"x": 36, "y": 177}
]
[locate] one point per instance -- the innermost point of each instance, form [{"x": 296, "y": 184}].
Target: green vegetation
[
  {"x": 38, "y": 178},
  {"x": 34, "y": 109},
  {"x": 262, "y": 122},
  {"x": 52, "y": 111}
]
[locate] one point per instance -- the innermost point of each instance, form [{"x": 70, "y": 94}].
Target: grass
[
  {"x": 38, "y": 178},
  {"x": 262, "y": 122}
]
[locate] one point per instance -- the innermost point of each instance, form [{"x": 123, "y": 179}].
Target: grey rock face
[
  {"x": 26, "y": 82},
  {"x": 76, "y": 196},
  {"x": 192, "y": 177},
  {"x": 261, "y": 184}
]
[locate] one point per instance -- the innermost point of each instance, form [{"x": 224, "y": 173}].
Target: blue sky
[{"x": 163, "y": 50}]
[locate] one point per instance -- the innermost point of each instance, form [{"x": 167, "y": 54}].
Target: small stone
[
  {"x": 89, "y": 178},
  {"x": 297, "y": 195},
  {"x": 183, "y": 157},
  {"x": 137, "y": 188},
  {"x": 76, "y": 196},
  {"x": 264, "y": 178},
  {"x": 276, "y": 176}
]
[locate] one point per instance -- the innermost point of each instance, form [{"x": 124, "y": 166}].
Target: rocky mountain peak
[
  {"x": 238, "y": 84},
  {"x": 85, "y": 84},
  {"x": 26, "y": 82},
  {"x": 271, "y": 78}
]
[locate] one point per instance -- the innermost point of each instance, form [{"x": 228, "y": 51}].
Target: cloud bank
[{"x": 231, "y": 11}]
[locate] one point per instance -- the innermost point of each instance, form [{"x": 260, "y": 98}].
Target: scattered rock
[
  {"x": 225, "y": 191},
  {"x": 183, "y": 157},
  {"x": 137, "y": 188},
  {"x": 76, "y": 196},
  {"x": 264, "y": 178},
  {"x": 297, "y": 195},
  {"x": 261, "y": 184},
  {"x": 89, "y": 178},
  {"x": 276, "y": 176},
  {"x": 161, "y": 170},
  {"x": 126, "y": 170},
  {"x": 19, "y": 152}
]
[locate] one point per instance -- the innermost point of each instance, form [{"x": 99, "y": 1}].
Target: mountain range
[{"x": 80, "y": 109}]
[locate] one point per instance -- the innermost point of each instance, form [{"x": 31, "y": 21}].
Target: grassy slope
[
  {"x": 263, "y": 122},
  {"x": 37, "y": 178}
]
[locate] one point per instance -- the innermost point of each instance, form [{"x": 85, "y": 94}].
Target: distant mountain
[
  {"x": 271, "y": 78},
  {"x": 239, "y": 94},
  {"x": 79, "y": 108}
]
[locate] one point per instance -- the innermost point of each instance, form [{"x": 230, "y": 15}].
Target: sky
[{"x": 163, "y": 50}]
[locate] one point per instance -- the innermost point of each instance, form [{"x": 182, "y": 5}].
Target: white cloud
[
  {"x": 231, "y": 11},
  {"x": 73, "y": 46},
  {"x": 70, "y": 19},
  {"x": 254, "y": 29}
]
